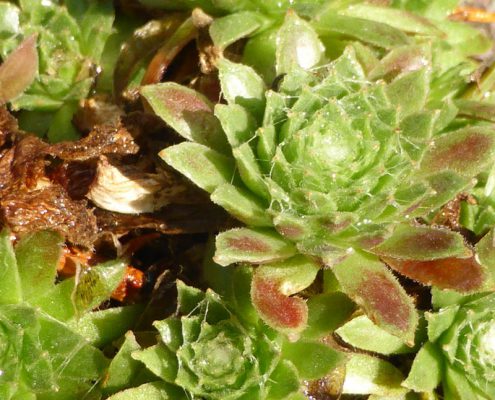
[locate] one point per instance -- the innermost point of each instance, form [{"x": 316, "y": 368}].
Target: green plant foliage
[
  {"x": 459, "y": 353},
  {"x": 335, "y": 165},
  {"x": 218, "y": 349},
  {"x": 71, "y": 36},
  {"x": 46, "y": 352}
]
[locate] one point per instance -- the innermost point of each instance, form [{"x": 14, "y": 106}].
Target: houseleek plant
[
  {"x": 459, "y": 352},
  {"x": 216, "y": 347},
  {"x": 332, "y": 169},
  {"x": 49, "y": 337},
  {"x": 70, "y": 38}
]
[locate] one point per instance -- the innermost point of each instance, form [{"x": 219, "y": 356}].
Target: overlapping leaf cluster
[
  {"x": 71, "y": 38},
  {"x": 217, "y": 348},
  {"x": 48, "y": 336},
  {"x": 335, "y": 164}
]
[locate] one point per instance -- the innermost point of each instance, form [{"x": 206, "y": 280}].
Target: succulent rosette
[
  {"x": 217, "y": 348},
  {"x": 70, "y": 38},
  {"x": 49, "y": 337},
  {"x": 333, "y": 168},
  {"x": 459, "y": 353}
]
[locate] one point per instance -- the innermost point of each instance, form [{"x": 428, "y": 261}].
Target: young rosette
[
  {"x": 332, "y": 169},
  {"x": 212, "y": 352},
  {"x": 459, "y": 355}
]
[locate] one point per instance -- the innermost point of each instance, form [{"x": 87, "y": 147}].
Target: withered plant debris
[{"x": 47, "y": 186}]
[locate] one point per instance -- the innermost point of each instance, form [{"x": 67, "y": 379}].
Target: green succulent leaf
[
  {"x": 123, "y": 369},
  {"x": 358, "y": 331},
  {"x": 37, "y": 257},
  {"x": 311, "y": 359},
  {"x": 237, "y": 122},
  {"x": 229, "y": 29},
  {"x": 10, "y": 290},
  {"x": 204, "y": 166},
  {"x": 370, "y": 375},
  {"x": 188, "y": 112},
  {"x": 466, "y": 151},
  {"x": 422, "y": 243},
  {"x": 368, "y": 282},
  {"x": 426, "y": 371},
  {"x": 250, "y": 245},
  {"x": 367, "y": 31},
  {"x": 62, "y": 48},
  {"x": 403, "y": 20},
  {"x": 242, "y": 85},
  {"x": 326, "y": 312},
  {"x": 151, "y": 391},
  {"x": 298, "y": 45},
  {"x": 96, "y": 284},
  {"x": 241, "y": 204}
]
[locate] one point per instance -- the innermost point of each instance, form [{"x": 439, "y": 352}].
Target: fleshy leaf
[
  {"x": 456, "y": 386},
  {"x": 426, "y": 371},
  {"x": 476, "y": 109},
  {"x": 159, "y": 360},
  {"x": 358, "y": 332},
  {"x": 102, "y": 327},
  {"x": 123, "y": 368},
  {"x": 464, "y": 275},
  {"x": 371, "y": 32},
  {"x": 19, "y": 70},
  {"x": 251, "y": 245},
  {"x": 368, "y": 282},
  {"x": 242, "y": 85},
  {"x": 37, "y": 256},
  {"x": 326, "y": 312},
  {"x": 298, "y": 45},
  {"x": 151, "y": 391},
  {"x": 399, "y": 19},
  {"x": 422, "y": 243},
  {"x": 284, "y": 381},
  {"x": 294, "y": 274},
  {"x": 485, "y": 249},
  {"x": 96, "y": 284},
  {"x": 281, "y": 312},
  {"x": 416, "y": 85},
  {"x": 10, "y": 290},
  {"x": 206, "y": 167},
  {"x": 188, "y": 112},
  {"x": 229, "y": 29},
  {"x": 440, "y": 321},
  {"x": 466, "y": 151},
  {"x": 370, "y": 375},
  {"x": 241, "y": 204},
  {"x": 238, "y": 124},
  {"x": 313, "y": 360}
]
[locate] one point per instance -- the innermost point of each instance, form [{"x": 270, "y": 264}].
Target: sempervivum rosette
[
  {"x": 460, "y": 352},
  {"x": 216, "y": 349},
  {"x": 332, "y": 169}
]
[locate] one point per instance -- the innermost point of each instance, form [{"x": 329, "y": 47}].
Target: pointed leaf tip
[{"x": 19, "y": 70}]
